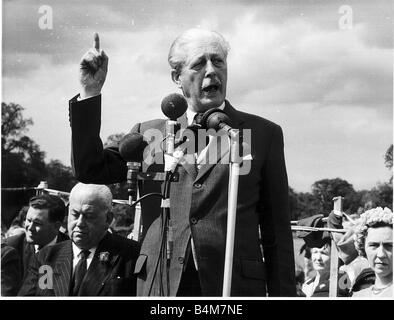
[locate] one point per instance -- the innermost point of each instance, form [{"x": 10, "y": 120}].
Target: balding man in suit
[
  {"x": 94, "y": 262},
  {"x": 198, "y": 61}
]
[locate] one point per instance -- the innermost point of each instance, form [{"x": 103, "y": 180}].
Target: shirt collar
[
  {"x": 37, "y": 247},
  {"x": 190, "y": 114},
  {"x": 77, "y": 251}
]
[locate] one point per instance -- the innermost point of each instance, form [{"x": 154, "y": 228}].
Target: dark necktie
[
  {"x": 199, "y": 145},
  {"x": 80, "y": 271}
]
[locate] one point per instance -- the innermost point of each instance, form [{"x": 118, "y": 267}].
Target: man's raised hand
[{"x": 93, "y": 70}]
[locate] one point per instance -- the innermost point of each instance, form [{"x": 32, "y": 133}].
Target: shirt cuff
[{"x": 80, "y": 99}]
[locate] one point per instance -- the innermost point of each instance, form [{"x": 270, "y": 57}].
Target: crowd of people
[
  {"x": 364, "y": 251},
  {"x": 82, "y": 257}
]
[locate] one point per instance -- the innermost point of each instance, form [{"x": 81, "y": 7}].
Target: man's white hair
[
  {"x": 101, "y": 192},
  {"x": 175, "y": 57}
]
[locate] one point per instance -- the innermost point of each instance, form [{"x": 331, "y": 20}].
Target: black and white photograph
[{"x": 197, "y": 151}]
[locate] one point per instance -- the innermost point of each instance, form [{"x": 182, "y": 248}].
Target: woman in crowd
[
  {"x": 318, "y": 286},
  {"x": 374, "y": 240}
]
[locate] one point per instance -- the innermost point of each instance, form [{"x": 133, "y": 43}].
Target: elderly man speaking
[
  {"x": 263, "y": 262},
  {"x": 94, "y": 262}
]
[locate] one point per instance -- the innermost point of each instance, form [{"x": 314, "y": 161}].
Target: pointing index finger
[{"x": 96, "y": 42}]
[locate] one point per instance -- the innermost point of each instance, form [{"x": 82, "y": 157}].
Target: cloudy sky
[{"x": 320, "y": 70}]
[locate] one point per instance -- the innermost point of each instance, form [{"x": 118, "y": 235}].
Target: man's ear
[
  {"x": 58, "y": 224},
  {"x": 110, "y": 217},
  {"x": 175, "y": 76}
]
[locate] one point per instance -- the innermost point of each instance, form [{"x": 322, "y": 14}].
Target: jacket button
[
  {"x": 197, "y": 185},
  {"x": 193, "y": 220},
  {"x": 181, "y": 260}
]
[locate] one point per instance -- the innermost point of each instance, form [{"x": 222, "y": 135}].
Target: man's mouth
[
  {"x": 79, "y": 233},
  {"x": 212, "y": 88}
]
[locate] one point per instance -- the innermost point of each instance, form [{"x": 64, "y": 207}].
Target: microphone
[
  {"x": 131, "y": 148},
  {"x": 173, "y": 106},
  {"x": 216, "y": 119}
]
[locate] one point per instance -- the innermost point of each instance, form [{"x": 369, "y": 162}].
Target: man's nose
[
  {"x": 28, "y": 225},
  {"x": 210, "y": 69},
  {"x": 318, "y": 256},
  {"x": 81, "y": 220},
  {"x": 380, "y": 252}
]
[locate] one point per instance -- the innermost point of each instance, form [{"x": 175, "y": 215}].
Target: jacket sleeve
[
  {"x": 91, "y": 162},
  {"x": 274, "y": 213},
  {"x": 30, "y": 284},
  {"x": 10, "y": 271},
  {"x": 345, "y": 243}
]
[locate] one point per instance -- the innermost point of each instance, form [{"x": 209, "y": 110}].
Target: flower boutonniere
[{"x": 104, "y": 256}]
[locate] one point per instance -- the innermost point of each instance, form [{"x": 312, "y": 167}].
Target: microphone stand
[
  {"x": 166, "y": 247},
  {"x": 132, "y": 190},
  {"x": 234, "y": 169}
]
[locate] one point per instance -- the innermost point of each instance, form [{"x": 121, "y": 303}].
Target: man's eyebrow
[
  {"x": 36, "y": 220},
  {"x": 378, "y": 242},
  {"x": 197, "y": 58}
]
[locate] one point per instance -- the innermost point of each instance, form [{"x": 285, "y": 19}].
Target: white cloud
[{"x": 330, "y": 90}]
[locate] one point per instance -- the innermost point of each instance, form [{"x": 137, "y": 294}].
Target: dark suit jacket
[
  {"x": 26, "y": 250},
  {"x": 322, "y": 289},
  {"x": 10, "y": 271},
  {"x": 113, "y": 277},
  {"x": 199, "y": 207}
]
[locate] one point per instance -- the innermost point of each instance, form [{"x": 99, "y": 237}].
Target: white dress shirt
[
  {"x": 37, "y": 247},
  {"x": 201, "y": 157}
]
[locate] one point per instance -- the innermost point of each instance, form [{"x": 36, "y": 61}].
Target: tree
[
  {"x": 325, "y": 190},
  {"x": 379, "y": 196},
  {"x": 388, "y": 157},
  {"x": 22, "y": 160},
  {"x": 388, "y": 161},
  {"x": 60, "y": 177},
  {"x": 13, "y": 125}
]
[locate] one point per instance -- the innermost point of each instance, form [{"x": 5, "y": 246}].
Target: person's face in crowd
[
  {"x": 204, "y": 74},
  {"x": 379, "y": 250},
  {"x": 39, "y": 230},
  {"x": 321, "y": 259},
  {"x": 88, "y": 219}
]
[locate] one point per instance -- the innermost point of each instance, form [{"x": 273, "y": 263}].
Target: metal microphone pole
[
  {"x": 132, "y": 190},
  {"x": 234, "y": 169},
  {"x": 172, "y": 127}
]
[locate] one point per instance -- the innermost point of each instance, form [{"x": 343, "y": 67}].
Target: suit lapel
[
  {"x": 98, "y": 270},
  {"x": 189, "y": 164},
  {"x": 28, "y": 251},
  {"x": 223, "y": 147},
  {"x": 62, "y": 270}
]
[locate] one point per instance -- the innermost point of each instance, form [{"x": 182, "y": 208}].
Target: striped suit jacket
[
  {"x": 50, "y": 272},
  {"x": 199, "y": 208},
  {"x": 26, "y": 250}
]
